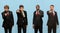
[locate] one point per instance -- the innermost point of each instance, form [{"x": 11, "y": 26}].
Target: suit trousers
[
  {"x": 50, "y": 28},
  {"x": 36, "y": 28},
  {"x": 20, "y": 28},
  {"x": 8, "y": 29}
]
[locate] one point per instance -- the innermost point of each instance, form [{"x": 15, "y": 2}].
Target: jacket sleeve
[
  {"x": 42, "y": 14},
  {"x": 3, "y": 16},
  {"x": 17, "y": 14},
  {"x": 57, "y": 18},
  {"x": 47, "y": 12},
  {"x": 12, "y": 18},
  {"x": 33, "y": 17},
  {"x": 48, "y": 15},
  {"x": 26, "y": 18}
]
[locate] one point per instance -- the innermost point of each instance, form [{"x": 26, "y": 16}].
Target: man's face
[
  {"x": 21, "y": 8},
  {"x": 52, "y": 8},
  {"x": 6, "y": 9},
  {"x": 37, "y": 8}
]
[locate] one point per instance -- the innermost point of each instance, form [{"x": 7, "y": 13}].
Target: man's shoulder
[
  {"x": 34, "y": 11},
  {"x": 55, "y": 11},
  {"x": 48, "y": 11},
  {"x": 10, "y": 11},
  {"x": 2, "y": 12},
  {"x": 24, "y": 10},
  {"x": 41, "y": 10}
]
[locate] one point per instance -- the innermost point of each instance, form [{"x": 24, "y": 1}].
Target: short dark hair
[
  {"x": 21, "y": 6},
  {"x": 6, "y": 6},
  {"x": 52, "y": 5}
]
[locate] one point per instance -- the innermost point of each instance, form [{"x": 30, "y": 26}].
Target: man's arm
[
  {"x": 3, "y": 16},
  {"x": 26, "y": 18},
  {"x": 42, "y": 14},
  {"x": 12, "y": 18},
  {"x": 57, "y": 18},
  {"x": 33, "y": 17}
]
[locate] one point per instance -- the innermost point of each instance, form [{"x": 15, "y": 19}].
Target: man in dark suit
[
  {"x": 8, "y": 19},
  {"x": 37, "y": 20},
  {"x": 52, "y": 19},
  {"x": 22, "y": 19}
]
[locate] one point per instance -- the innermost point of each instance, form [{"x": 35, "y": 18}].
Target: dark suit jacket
[
  {"x": 52, "y": 20},
  {"x": 8, "y": 20},
  {"x": 39, "y": 21},
  {"x": 22, "y": 20}
]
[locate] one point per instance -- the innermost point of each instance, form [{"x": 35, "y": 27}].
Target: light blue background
[{"x": 30, "y": 8}]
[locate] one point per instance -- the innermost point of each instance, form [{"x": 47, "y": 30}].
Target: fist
[
  {"x": 49, "y": 11},
  {"x": 18, "y": 11},
  {"x": 5, "y": 14}
]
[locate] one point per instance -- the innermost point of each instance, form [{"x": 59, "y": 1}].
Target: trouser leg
[
  {"x": 54, "y": 29},
  {"x": 6, "y": 30},
  {"x": 19, "y": 29},
  {"x": 49, "y": 29},
  {"x": 40, "y": 29},
  {"x": 24, "y": 29},
  {"x": 10, "y": 30}
]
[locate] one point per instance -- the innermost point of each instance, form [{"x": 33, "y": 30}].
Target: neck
[
  {"x": 51, "y": 10},
  {"x": 37, "y": 10},
  {"x": 6, "y": 11},
  {"x": 21, "y": 10}
]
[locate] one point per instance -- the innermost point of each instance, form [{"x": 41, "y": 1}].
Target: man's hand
[
  {"x": 50, "y": 11},
  {"x": 17, "y": 11},
  {"x": 5, "y": 14}
]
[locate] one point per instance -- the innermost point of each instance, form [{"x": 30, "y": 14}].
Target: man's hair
[
  {"x": 6, "y": 6},
  {"x": 21, "y": 6},
  {"x": 52, "y": 5}
]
